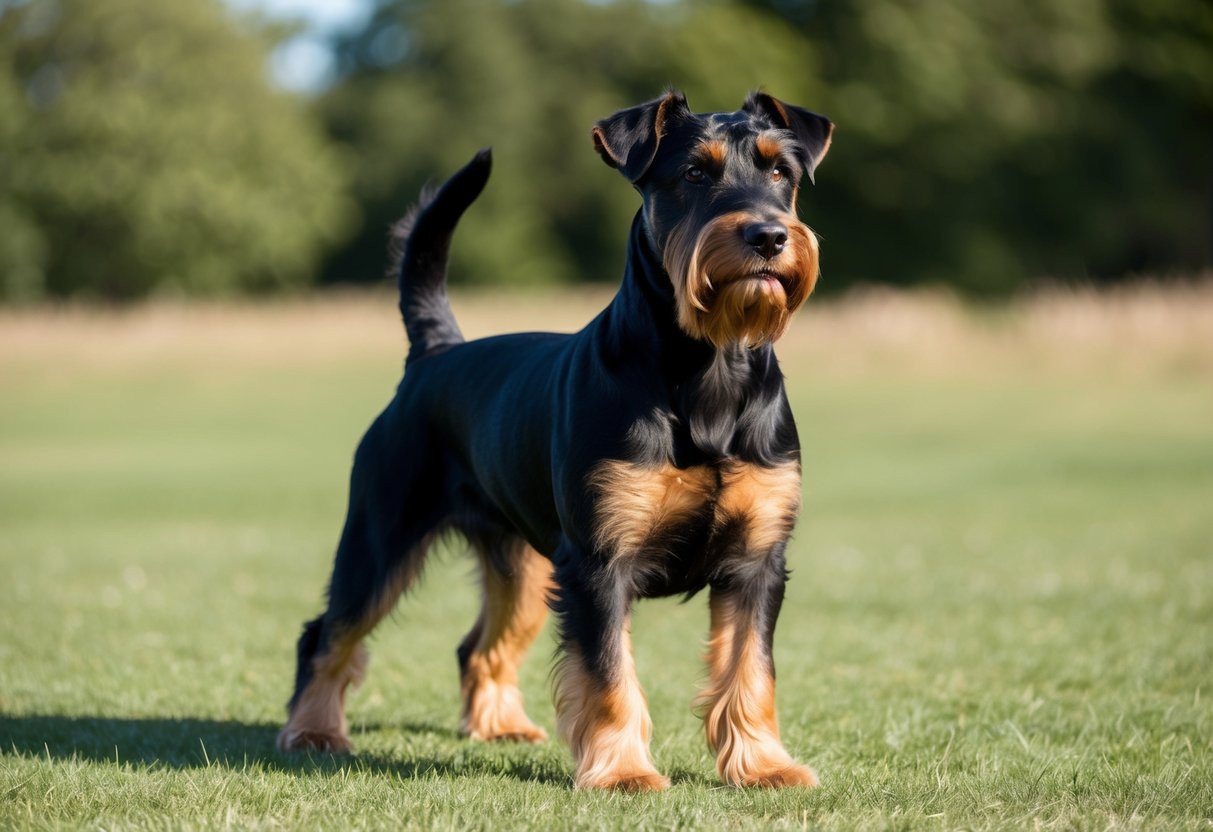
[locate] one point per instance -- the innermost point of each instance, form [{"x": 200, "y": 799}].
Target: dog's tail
[{"x": 418, "y": 249}]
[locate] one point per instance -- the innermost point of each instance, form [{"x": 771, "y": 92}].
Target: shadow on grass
[{"x": 201, "y": 743}]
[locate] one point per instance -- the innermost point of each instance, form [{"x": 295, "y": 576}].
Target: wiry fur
[
  {"x": 606, "y": 725},
  {"x": 399, "y": 233},
  {"x": 515, "y": 605},
  {"x": 739, "y": 706},
  {"x": 726, "y": 293},
  {"x": 652, "y": 453}
]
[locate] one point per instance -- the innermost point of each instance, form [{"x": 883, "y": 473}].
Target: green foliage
[
  {"x": 429, "y": 83},
  {"x": 987, "y": 144},
  {"x": 981, "y": 145},
  {"x": 142, "y": 150}
]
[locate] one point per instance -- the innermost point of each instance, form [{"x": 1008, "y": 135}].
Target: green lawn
[{"x": 1000, "y": 614}]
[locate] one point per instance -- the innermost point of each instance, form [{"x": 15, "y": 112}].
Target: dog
[{"x": 652, "y": 453}]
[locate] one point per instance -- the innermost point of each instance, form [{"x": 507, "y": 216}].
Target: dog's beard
[{"x": 726, "y": 293}]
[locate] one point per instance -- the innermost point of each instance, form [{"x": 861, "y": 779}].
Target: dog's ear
[
  {"x": 627, "y": 140},
  {"x": 812, "y": 131}
]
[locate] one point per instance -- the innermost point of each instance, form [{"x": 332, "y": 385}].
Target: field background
[{"x": 1000, "y": 613}]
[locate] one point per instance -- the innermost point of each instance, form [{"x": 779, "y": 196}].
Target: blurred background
[{"x": 203, "y": 148}]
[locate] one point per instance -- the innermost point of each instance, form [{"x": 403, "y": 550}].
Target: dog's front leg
[
  {"x": 739, "y": 703},
  {"x": 601, "y": 711}
]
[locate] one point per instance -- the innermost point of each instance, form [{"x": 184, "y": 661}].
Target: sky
[{"x": 304, "y": 63}]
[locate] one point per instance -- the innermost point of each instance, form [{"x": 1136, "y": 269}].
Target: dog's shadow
[{"x": 202, "y": 743}]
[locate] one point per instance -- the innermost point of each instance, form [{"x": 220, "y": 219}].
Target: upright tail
[{"x": 418, "y": 249}]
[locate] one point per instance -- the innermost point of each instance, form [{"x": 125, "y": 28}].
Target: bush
[{"x": 142, "y": 150}]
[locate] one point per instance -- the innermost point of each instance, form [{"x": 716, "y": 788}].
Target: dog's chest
[{"x": 731, "y": 508}]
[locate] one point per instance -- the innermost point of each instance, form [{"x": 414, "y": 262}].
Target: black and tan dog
[{"x": 652, "y": 453}]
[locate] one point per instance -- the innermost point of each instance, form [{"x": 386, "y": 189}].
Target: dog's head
[{"x": 720, "y": 206}]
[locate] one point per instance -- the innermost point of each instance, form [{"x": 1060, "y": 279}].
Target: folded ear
[
  {"x": 628, "y": 139},
  {"x": 812, "y": 131}
]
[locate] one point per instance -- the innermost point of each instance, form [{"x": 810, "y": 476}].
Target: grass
[{"x": 1000, "y": 614}]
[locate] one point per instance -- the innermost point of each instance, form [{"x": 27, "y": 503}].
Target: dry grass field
[
  {"x": 1001, "y": 612},
  {"x": 1142, "y": 329}
]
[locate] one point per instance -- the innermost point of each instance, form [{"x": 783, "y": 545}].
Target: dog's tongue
[{"x": 772, "y": 288}]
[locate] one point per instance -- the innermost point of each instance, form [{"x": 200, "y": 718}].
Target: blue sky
[
  {"x": 322, "y": 15},
  {"x": 304, "y": 63}
]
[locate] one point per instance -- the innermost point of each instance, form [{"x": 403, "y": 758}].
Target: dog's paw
[
  {"x": 303, "y": 740},
  {"x": 782, "y": 778},
  {"x": 518, "y": 733},
  {"x": 644, "y": 781},
  {"x": 533, "y": 734}
]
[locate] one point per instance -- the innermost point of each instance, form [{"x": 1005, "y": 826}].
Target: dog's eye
[
  {"x": 777, "y": 174},
  {"x": 695, "y": 174}
]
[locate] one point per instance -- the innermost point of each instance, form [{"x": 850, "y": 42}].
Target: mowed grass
[{"x": 1000, "y": 614}]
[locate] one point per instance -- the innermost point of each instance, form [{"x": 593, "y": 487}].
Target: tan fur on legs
[
  {"x": 607, "y": 728},
  {"x": 317, "y": 722},
  {"x": 515, "y": 608},
  {"x": 739, "y": 706}
]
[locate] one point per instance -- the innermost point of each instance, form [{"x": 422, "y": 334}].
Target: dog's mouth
[
  {"x": 762, "y": 282},
  {"x": 769, "y": 279},
  {"x": 729, "y": 293}
]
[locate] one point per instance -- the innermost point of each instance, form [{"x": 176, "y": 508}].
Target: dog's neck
[
  {"x": 722, "y": 395},
  {"x": 642, "y": 319}
]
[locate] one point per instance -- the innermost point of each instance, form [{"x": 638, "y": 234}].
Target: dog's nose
[{"x": 767, "y": 238}]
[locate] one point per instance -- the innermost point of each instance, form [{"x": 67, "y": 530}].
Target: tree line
[{"x": 982, "y": 146}]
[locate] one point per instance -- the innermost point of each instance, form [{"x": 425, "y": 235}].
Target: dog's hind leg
[
  {"x": 331, "y": 658},
  {"x": 515, "y": 605},
  {"x": 392, "y": 517}
]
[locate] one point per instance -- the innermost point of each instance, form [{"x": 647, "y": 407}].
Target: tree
[
  {"x": 426, "y": 84},
  {"x": 143, "y": 150},
  {"x": 979, "y": 145},
  {"x": 986, "y": 145}
]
